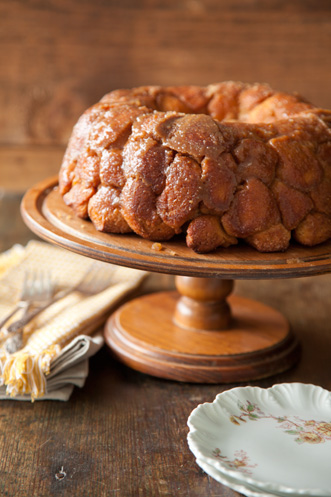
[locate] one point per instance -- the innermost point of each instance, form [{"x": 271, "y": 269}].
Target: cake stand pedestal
[{"x": 201, "y": 333}]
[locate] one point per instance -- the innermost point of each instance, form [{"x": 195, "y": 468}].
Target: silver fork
[
  {"x": 37, "y": 288},
  {"x": 91, "y": 283}
]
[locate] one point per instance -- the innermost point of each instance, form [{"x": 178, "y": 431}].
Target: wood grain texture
[
  {"x": 124, "y": 433},
  {"x": 12, "y": 228},
  {"x": 203, "y": 303},
  {"x": 60, "y": 57},
  {"x": 257, "y": 344},
  {"x": 23, "y": 166}
]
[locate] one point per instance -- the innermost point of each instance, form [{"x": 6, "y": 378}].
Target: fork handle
[
  {"x": 20, "y": 323},
  {"x": 12, "y": 313}
]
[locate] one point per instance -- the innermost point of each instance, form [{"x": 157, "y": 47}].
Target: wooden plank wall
[{"x": 58, "y": 57}]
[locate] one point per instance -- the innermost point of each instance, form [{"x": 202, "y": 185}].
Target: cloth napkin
[
  {"x": 58, "y": 342},
  {"x": 69, "y": 369}
]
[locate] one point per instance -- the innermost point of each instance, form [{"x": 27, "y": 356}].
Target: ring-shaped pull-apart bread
[{"x": 220, "y": 163}]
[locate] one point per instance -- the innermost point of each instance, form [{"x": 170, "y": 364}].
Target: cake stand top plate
[{"x": 45, "y": 213}]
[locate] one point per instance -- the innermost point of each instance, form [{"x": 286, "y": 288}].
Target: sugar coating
[{"x": 221, "y": 163}]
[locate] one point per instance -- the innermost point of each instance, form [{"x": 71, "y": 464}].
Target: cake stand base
[
  {"x": 148, "y": 335},
  {"x": 199, "y": 334}
]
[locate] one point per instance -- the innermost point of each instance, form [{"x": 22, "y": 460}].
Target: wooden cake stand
[{"x": 200, "y": 333}]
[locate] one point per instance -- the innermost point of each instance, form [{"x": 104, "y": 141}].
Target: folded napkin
[
  {"x": 69, "y": 369},
  {"x": 57, "y": 341}
]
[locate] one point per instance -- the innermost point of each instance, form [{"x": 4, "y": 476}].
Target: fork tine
[
  {"x": 34, "y": 284},
  {"x": 50, "y": 283},
  {"x": 37, "y": 285},
  {"x": 86, "y": 283},
  {"x": 26, "y": 285},
  {"x": 45, "y": 284},
  {"x": 97, "y": 281},
  {"x": 23, "y": 301},
  {"x": 94, "y": 282}
]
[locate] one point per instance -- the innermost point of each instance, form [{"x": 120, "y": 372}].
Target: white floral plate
[
  {"x": 239, "y": 486},
  {"x": 232, "y": 483},
  {"x": 277, "y": 440}
]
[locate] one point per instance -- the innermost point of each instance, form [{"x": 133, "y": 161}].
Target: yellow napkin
[{"x": 24, "y": 372}]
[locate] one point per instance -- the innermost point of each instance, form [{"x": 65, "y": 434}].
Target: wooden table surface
[
  {"x": 124, "y": 433},
  {"x": 60, "y": 57}
]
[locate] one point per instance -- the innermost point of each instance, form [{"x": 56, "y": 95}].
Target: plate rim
[
  {"x": 267, "y": 486},
  {"x": 237, "y": 486}
]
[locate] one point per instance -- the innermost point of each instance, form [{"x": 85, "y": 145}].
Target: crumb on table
[
  {"x": 293, "y": 260},
  {"x": 157, "y": 246}
]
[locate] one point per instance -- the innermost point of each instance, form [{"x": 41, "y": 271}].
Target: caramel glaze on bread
[{"x": 220, "y": 163}]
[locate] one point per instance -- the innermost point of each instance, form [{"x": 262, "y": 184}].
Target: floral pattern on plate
[
  {"x": 274, "y": 439},
  {"x": 306, "y": 431},
  {"x": 239, "y": 462}
]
